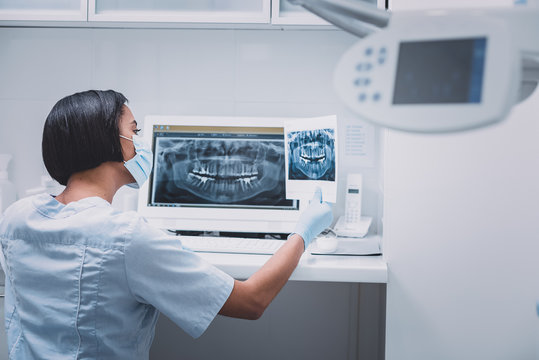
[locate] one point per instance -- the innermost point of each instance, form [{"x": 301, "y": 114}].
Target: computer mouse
[{"x": 327, "y": 244}]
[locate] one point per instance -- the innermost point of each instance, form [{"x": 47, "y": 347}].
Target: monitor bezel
[{"x": 214, "y": 219}]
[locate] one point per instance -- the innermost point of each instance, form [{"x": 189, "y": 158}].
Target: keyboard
[{"x": 232, "y": 245}]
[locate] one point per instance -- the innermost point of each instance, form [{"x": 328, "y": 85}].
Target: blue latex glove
[{"x": 315, "y": 218}]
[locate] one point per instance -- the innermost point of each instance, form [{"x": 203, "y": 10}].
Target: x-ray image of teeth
[
  {"x": 220, "y": 171},
  {"x": 311, "y": 155}
]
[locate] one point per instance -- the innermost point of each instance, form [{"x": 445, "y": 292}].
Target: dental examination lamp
[{"x": 434, "y": 71}]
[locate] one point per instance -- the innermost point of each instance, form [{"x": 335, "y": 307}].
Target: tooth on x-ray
[
  {"x": 311, "y": 155},
  {"x": 220, "y": 170}
]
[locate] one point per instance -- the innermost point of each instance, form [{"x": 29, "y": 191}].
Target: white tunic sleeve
[{"x": 176, "y": 281}]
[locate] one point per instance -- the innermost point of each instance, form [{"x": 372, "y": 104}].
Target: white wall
[
  {"x": 202, "y": 72},
  {"x": 461, "y": 232},
  {"x": 461, "y": 236},
  {"x": 168, "y": 72}
]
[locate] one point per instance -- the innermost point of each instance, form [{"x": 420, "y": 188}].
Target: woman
[{"x": 86, "y": 281}]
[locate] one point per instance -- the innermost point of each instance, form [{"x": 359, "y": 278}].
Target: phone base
[{"x": 355, "y": 230}]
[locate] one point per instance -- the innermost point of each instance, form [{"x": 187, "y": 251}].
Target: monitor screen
[
  {"x": 219, "y": 167},
  {"x": 440, "y": 71}
]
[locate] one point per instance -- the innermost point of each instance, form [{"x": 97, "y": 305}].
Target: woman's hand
[{"x": 315, "y": 218}]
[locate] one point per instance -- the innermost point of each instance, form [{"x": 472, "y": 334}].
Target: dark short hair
[{"x": 81, "y": 132}]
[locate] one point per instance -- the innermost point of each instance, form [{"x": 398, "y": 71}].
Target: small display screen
[
  {"x": 353, "y": 191},
  {"x": 440, "y": 71}
]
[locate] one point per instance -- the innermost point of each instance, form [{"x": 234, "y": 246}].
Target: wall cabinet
[
  {"x": 185, "y": 11},
  {"x": 94, "y": 12},
  {"x": 51, "y": 10},
  {"x": 285, "y": 13},
  {"x": 444, "y": 4}
]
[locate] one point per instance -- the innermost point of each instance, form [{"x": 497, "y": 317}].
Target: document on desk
[{"x": 311, "y": 154}]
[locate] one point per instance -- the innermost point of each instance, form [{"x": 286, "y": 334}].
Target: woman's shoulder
[
  {"x": 139, "y": 225},
  {"x": 21, "y": 204},
  {"x": 16, "y": 211}
]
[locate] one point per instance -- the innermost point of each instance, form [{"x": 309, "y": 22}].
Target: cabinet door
[
  {"x": 185, "y": 11},
  {"x": 285, "y": 13},
  {"x": 447, "y": 4},
  {"x": 53, "y": 10}
]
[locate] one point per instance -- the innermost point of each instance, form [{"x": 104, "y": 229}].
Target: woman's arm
[{"x": 251, "y": 297}]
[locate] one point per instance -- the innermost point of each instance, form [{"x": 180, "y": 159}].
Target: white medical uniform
[{"x": 84, "y": 281}]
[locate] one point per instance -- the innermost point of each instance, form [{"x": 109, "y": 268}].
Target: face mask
[{"x": 139, "y": 166}]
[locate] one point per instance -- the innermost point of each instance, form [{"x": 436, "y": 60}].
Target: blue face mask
[{"x": 140, "y": 166}]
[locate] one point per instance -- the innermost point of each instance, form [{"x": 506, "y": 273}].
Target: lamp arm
[{"x": 356, "y": 10}]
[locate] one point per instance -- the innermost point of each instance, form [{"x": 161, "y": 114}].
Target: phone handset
[
  {"x": 352, "y": 224},
  {"x": 352, "y": 209}
]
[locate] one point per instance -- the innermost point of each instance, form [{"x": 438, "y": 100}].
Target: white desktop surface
[{"x": 335, "y": 268}]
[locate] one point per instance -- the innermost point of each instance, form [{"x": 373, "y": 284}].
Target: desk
[
  {"x": 333, "y": 268},
  {"x": 341, "y": 317}
]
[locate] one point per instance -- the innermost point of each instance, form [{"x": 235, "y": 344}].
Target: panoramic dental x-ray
[{"x": 223, "y": 171}]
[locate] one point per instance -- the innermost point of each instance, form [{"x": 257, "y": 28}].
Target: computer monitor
[{"x": 217, "y": 174}]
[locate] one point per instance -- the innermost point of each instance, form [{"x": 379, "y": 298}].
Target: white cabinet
[
  {"x": 285, "y": 13},
  {"x": 445, "y": 4},
  {"x": 168, "y": 12},
  {"x": 55, "y": 10},
  {"x": 185, "y": 11}
]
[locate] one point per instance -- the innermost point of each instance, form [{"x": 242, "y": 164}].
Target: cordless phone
[
  {"x": 352, "y": 224},
  {"x": 352, "y": 210}
]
